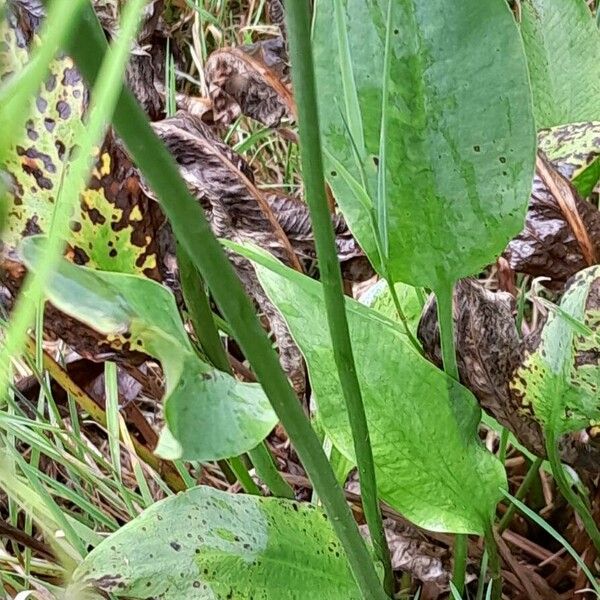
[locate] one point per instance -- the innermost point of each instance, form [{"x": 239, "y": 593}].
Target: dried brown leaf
[
  {"x": 251, "y": 80},
  {"x": 562, "y": 232}
]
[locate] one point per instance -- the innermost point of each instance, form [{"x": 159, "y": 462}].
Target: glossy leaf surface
[
  {"x": 447, "y": 85},
  {"x": 211, "y": 545},
  {"x": 429, "y": 461}
]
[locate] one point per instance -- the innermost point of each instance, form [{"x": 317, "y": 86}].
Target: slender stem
[
  {"x": 482, "y": 572},
  {"x": 193, "y": 232},
  {"x": 402, "y": 316},
  {"x": 446, "y": 323},
  {"x": 265, "y": 467},
  {"x": 298, "y": 22},
  {"x": 565, "y": 488},
  {"x": 206, "y": 331},
  {"x": 494, "y": 562},
  {"x": 236, "y": 464},
  {"x": 520, "y": 494},
  {"x": 201, "y": 317}
]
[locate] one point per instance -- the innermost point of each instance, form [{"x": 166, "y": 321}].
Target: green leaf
[
  {"x": 429, "y": 461},
  {"x": 211, "y": 545},
  {"x": 560, "y": 380},
  {"x": 459, "y": 143},
  {"x": 562, "y": 44},
  {"x": 575, "y": 150},
  {"x": 209, "y": 414}
]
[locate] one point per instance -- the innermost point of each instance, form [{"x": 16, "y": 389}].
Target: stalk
[
  {"x": 446, "y": 323},
  {"x": 565, "y": 489},
  {"x": 193, "y": 232},
  {"x": 494, "y": 562},
  {"x": 303, "y": 79}
]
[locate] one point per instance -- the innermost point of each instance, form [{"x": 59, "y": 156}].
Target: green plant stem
[
  {"x": 298, "y": 22},
  {"x": 566, "y": 490},
  {"x": 193, "y": 232},
  {"x": 206, "y": 331},
  {"x": 493, "y": 562},
  {"x": 402, "y": 316},
  {"x": 444, "y": 297},
  {"x": 265, "y": 468},
  {"x": 520, "y": 493},
  {"x": 237, "y": 465}
]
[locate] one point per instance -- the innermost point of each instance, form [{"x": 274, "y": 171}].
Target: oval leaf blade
[
  {"x": 459, "y": 143},
  {"x": 423, "y": 424},
  {"x": 211, "y": 545}
]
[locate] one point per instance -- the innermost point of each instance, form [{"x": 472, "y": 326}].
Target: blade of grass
[
  {"x": 298, "y": 24},
  {"x": 103, "y": 99},
  {"x": 382, "y": 199},
  {"x": 529, "y": 478},
  {"x": 193, "y": 232},
  {"x": 559, "y": 538},
  {"x": 351, "y": 103},
  {"x": 566, "y": 490}
]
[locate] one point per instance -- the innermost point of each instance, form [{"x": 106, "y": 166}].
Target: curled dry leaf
[
  {"x": 251, "y": 80},
  {"x": 562, "y": 232},
  {"x": 238, "y": 211},
  {"x": 490, "y": 354},
  {"x": 412, "y": 552}
]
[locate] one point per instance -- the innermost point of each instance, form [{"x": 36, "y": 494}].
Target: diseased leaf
[
  {"x": 574, "y": 150},
  {"x": 562, "y": 44},
  {"x": 251, "y": 80},
  {"x": 460, "y": 138},
  {"x": 560, "y": 381},
  {"x": 211, "y": 545},
  {"x": 209, "y": 414},
  {"x": 489, "y": 350},
  {"x": 117, "y": 227},
  {"x": 430, "y": 464}
]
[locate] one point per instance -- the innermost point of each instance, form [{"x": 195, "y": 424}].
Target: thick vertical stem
[
  {"x": 298, "y": 20},
  {"x": 193, "y": 232},
  {"x": 446, "y": 323}
]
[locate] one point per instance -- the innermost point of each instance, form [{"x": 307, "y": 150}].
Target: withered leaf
[
  {"x": 551, "y": 243},
  {"x": 224, "y": 183},
  {"x": 251, "y": 80},
  {"x": 489, "y": 354}
]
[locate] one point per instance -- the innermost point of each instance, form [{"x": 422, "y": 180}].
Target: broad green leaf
[
  {"x": 450, "y": 127},
  {"x": 211, "y": 545},
  {"x": 429, "y": 461},
  {"x": 562, "y": 44},
  {"x": 560, "y": 380},
  {"x": 575, "y": 150},
  {"x": 379, "y": 298},
  {"x": 209, "y": 414}
]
